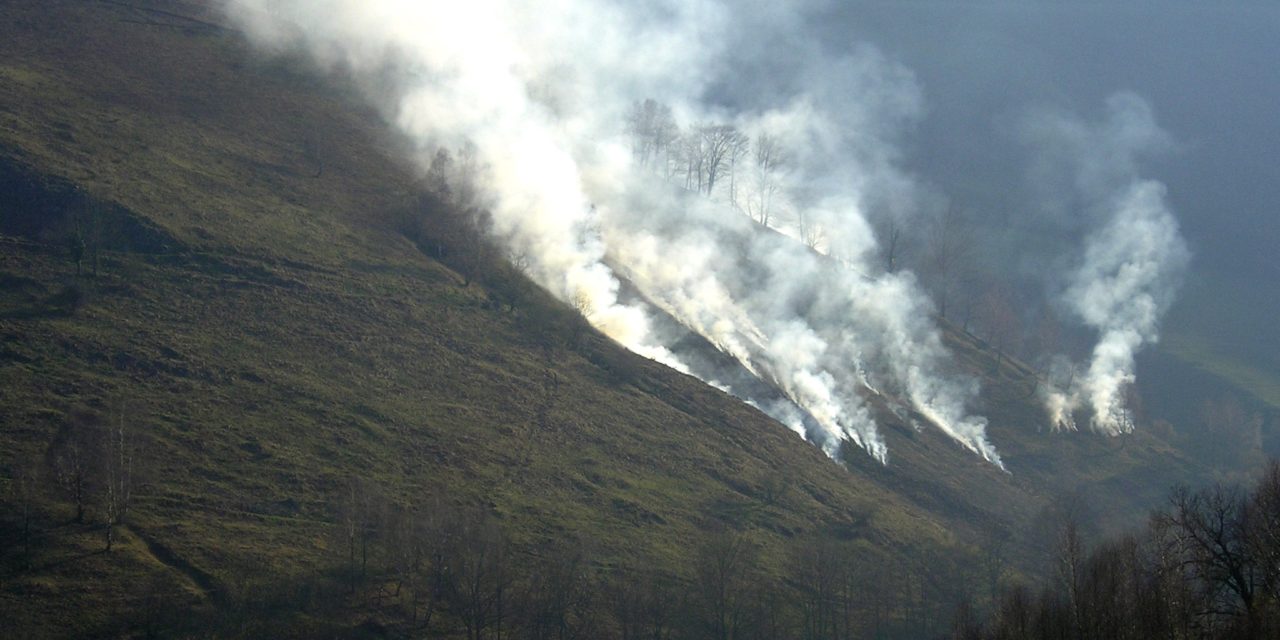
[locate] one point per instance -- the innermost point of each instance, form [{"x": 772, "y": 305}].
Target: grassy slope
[
  {"x": 1218, "y": 327},
  {"x": 294, "y": 339}
]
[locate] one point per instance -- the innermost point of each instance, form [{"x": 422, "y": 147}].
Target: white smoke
[
  {"x": 1132, "y": 261},
  {"x": 540, "y": 91}
]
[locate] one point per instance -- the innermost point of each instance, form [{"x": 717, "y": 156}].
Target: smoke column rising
[
  {"x": 1133, "y": 257},
  {"x": 540, "y": 91}
]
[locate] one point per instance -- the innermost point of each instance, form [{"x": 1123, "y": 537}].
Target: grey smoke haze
[
  {"x": 541, "y": 92},
  {"x": 1200, "y": 66},
  {"x": 1204, "y": 67},
  {"x": 889, "y": 111},
  {"x": 1133, "y": 257}
]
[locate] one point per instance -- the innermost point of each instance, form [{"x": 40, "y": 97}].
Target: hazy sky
[{"x": 1210, "y": 70}]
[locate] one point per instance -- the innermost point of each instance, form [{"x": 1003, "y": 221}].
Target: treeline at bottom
[
  {"x": 434, "y": 569},
  {"x": 1206, "y": 566}
]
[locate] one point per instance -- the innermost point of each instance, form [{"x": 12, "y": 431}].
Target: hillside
[{"x": 257, "y": 316}]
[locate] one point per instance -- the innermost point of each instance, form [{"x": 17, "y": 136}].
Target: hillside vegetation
[{"x": 255, "y": 304}]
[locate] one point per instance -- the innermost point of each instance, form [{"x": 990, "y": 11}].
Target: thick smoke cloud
[
  {"x": 541, "y": 92},
  {"x": 1133, "y": 257}
]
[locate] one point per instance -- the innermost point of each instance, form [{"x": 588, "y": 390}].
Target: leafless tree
[
  {"x": 723, "y": 575},
  {"x": 739, "y": 148},
  {"x": 119, "y": 462},
  {"x": 71, "y": 457},
  {"x": 558, "y": 602},
  {"x": 653, "y": 131},
  {"x": 1211, "y": 531},
  {"x": 1264, "y": 530},
  {"x": 994, "y": 558},
  {"x": 966, "y": 625},
  {"x": 1071, "y": 554},
  {"x": 360, "y": 507},
  {"x": 24, "y": 488},
  {"x": 892, "y": 241},
  {"x": 431, "y": 542},
  {"x": 644, "y": 604},
  {"x": 85, "y": 231},
  {"x": 950, "y": 245},
  {"x": 811, "y": 232},
  {"x": 693, "y": 157},
  {"x": 313, "y": 156},
  {"x": 768, "y": 160},
  {"x": 818, "y": 568},
  {"x": 718, "y": 142},
  {"x": 999, "y": 322},
  {"x": 479, "y": 575},
  {"x": 1041, "y": 347},
  {"x": 709, "y": 151}
]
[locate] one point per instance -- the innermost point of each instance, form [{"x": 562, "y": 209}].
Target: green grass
[
  {"x": 293, "y": 339},
  {"x": 1200, "y": 352},
  {"x": 1220, "y": 328}
]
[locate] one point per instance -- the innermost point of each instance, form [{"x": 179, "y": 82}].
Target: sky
[{"x": 1208, "y": 69}]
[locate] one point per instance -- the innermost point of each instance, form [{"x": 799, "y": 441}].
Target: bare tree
[
  {"x": 994, "y": 559},
  {"x": 693, "y": 157},
  {"x": 966, "y": 625},
  {"x": 1211, "y": 531},
  {"x": 558, "y": 604},
  {"x": 768, "y": 159},
  {"x": 999, "y": 322},
  {"x": 818, "y": 568},
  {"x": 478, "y": 575},
  {"x": 739, "y": 148},
  {"x": 90, "y": 232},
  {"x": 950, "y": 243},
  {"x": 1264, "y": 530},
  {"x": 430, "y": 545},
  {"x": 439, "y": 174},
  {"x": 24, "y": 488},
  {"x": 1041, "y": 346},
  {"x": 720, "y": 143},
  {"x": 71, "y": 458},
  {"x": 403, "y": 548},
  {"x": 723, "y": 574},
  {"x": 118, "y": 472},
  {"x": 892, "y": 243},
  {"x": 359, "y": 505},
  {"x": 653, "y": 131},
  {"x": 811, "y": 232}
]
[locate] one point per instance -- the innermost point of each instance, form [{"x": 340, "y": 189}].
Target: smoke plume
[
  {"x": 764, "y": 250},
  {"x": 1132, "y": 261}
]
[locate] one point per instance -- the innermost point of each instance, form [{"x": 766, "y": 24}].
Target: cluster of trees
[
  {"x": 435, "y": 568},
  {"x": 1206, "y": 566},
  {"x": 711, "y": 158},
  {"x": 90, "y": 465},
  {"x": 440, "y": 570},
  {"x": 754, "y": 176}
]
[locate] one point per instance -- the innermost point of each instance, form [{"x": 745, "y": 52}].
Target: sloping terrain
[{"x": 249, "y": 305}]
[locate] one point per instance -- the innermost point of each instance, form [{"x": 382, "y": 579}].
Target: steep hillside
[
  {"x": 249, "y": 306},
  {"x": 278, "y": 337}
]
